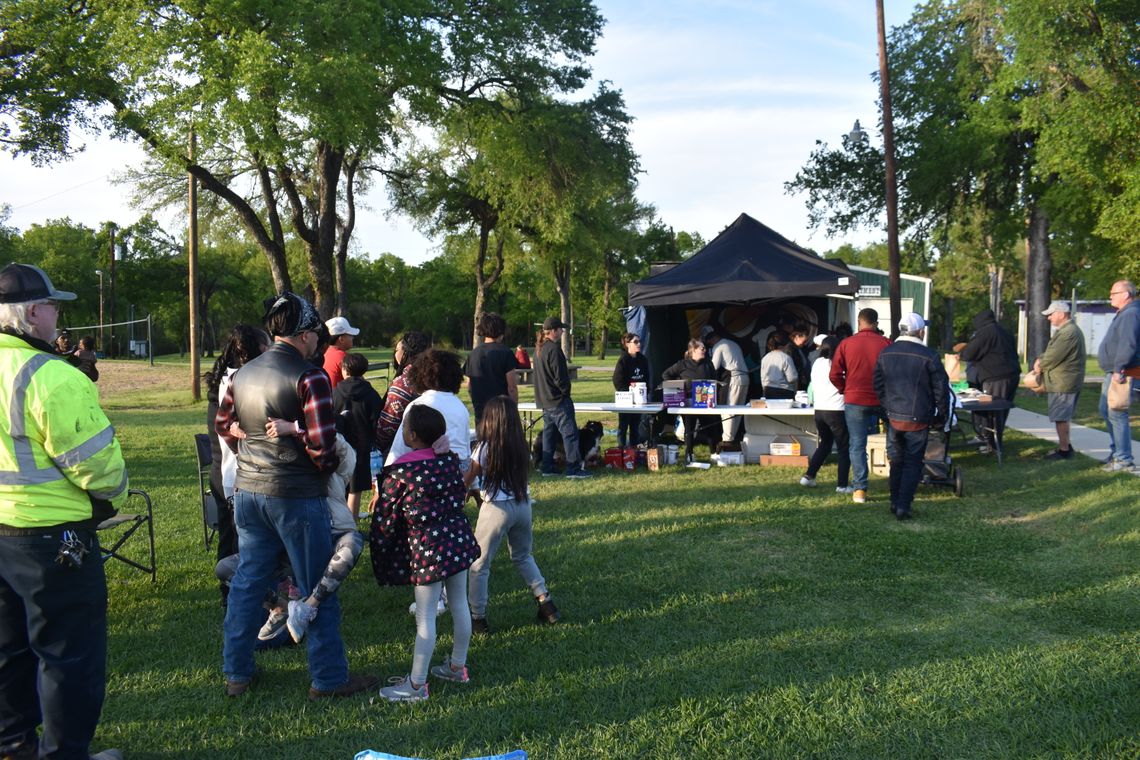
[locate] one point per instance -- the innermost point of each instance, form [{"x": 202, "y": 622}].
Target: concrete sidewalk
[{"x": 1086, "y": 441}]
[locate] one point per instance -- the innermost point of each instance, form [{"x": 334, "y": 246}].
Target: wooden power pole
[
  {"x": 192, "y": 256},
  {"x": 894, "y": 263}
]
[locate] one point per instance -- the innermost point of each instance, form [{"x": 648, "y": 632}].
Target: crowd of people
[
  {"x": 861, "y": 381},
  {"x": 302, "y": 433},
  {"x": 300, "y": 436}
]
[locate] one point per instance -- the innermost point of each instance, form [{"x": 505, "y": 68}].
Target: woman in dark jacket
[
  {"x": 694, "y": 366},
  {"x": 632, "y": 367},
  {"x": 992, "y": 354}
]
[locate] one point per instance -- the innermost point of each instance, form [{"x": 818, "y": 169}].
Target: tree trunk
[
  {"x": 321, "y": 256},
  {"x": 562, "y": 285},
  {"x": 1038, "y": 279},
  {"x": 483, "y": 280},
  {"x": 344, "y": 234},
  {"x": 948, "y": 324},
  {"x": 997, "y": 285},
  {"x": 607, "y": 291}
]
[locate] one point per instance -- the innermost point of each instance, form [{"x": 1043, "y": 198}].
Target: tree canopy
[
  {"x": 1015, "y": 120},
  {"x": 292, "y": 104}
]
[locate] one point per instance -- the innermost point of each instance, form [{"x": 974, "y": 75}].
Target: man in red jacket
[
  {"x": 342, "y": 334},
  {"x": 852, "y": 372}
]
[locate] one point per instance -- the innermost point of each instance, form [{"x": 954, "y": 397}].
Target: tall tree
[
  {"x": 1083, "y": 55},
  {"x": 527, "y": 165},
  {"x": 291, "y": 103},
  {"x": 964, "y": 151}
]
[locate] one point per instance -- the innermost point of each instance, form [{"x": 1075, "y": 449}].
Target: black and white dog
[{"x": 589, "y": 446}]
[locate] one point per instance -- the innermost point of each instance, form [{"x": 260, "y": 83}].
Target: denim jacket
[{"x": 911, "y": 383}]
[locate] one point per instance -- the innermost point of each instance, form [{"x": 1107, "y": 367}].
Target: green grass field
[{"x": 726, "y": 613}]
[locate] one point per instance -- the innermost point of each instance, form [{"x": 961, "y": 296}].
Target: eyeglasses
[
  {"x": 635, "y": 340},
  {"x": 1117, "y": 293}
]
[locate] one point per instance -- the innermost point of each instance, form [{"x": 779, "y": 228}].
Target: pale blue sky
[{"x": 728, "y": 99}]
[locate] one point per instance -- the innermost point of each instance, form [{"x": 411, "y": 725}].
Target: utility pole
[
  {"x": 192, "y": 256},
  {"x": 110, "y": 347},
  {"x": 894, "y": 264},
  {"x": 102, "y": 335}
]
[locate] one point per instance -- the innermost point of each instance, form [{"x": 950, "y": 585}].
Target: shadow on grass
[{"x": 708, "y": 614}]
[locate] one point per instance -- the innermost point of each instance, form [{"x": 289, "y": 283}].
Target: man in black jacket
[
  {"x": 552, "y": 395},
  {"x": 993, "y": 353},
  {"x": 915, "y": 393}
]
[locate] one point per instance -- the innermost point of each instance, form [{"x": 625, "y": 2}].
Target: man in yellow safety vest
[{"x": 61, "y": 473}]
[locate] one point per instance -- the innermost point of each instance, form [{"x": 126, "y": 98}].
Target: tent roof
[{"x": 745, "y": 263}]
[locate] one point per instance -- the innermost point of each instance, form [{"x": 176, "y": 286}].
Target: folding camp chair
[
  {"x": 205, "y": 493},
  {"x": 130, "y": 523}
]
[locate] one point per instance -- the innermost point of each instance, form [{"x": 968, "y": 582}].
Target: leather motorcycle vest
[{"x": 267, "y": 387}]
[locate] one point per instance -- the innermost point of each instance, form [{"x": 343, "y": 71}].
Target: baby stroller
[{"x": 938, "y": 469}]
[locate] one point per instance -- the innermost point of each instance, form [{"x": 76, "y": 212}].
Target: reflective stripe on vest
[{"x": 28, "y": 472}]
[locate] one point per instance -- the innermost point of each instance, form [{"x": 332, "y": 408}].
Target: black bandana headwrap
[{"x": 288, "y": 315}]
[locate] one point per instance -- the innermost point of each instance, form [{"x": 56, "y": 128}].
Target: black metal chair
[
  {"x": 122, "y": 527},
  {"x": 205, "y": 493}
]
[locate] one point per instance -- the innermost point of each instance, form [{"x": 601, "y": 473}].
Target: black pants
[
  {"x": 905, "y": 452},
  {"x": 53, "y": 645},
  {"x": 629, "y": 429},
  {"x": 832, "y": 429},
  {"x": 999, "y": 388}
]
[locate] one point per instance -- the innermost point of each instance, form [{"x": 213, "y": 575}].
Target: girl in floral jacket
[{"x": 421, "y": 537}]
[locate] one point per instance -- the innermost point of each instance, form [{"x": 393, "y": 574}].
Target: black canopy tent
[{"x": 743, "y": 280}]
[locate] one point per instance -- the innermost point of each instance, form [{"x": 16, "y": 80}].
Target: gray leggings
[
  {"x": 510, "y": 518},
  {"x": 426, "y": 599},
  {"x": 345, "y": 553}
]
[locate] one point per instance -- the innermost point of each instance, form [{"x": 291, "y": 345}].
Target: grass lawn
[{"x": 726, "y": 613}]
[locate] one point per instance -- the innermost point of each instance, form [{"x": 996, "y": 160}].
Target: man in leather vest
[{"x": 284, "y": 440}]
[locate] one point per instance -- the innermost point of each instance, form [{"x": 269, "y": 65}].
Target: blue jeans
[
  {"x": 53, "y": 645},
  {"x": 859, "y": 419},
  {"x": 905, "y": 451},
  {"x": 559, "y": 420},
  {"x": 1119, "y": 434},
  {"x": 266, "y": 527}
]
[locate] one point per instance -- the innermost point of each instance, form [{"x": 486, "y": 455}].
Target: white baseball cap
[
  {"x": 340, "y": 326},
  {"x": 819, "y": 339},
  {"x": 911, "y": 323},
  {"x": 1057, "y": 306}
]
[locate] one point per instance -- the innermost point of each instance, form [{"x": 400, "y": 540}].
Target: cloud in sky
[{"x": 728, "y": 99}]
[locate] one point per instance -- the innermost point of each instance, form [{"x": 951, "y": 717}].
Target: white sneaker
[
  {"x": 807, "y": 482},
  {"x": 300, "y": 615},
  {"x": 273, "y": 625},
  {"x": 402, "y": 690},
  {"x": 844, "y": 489}
]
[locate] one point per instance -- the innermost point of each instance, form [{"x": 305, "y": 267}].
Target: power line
[{"x": 61, "y": 192}]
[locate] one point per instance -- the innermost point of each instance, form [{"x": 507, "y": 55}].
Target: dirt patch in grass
[{"x": 121, "y": 378}]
